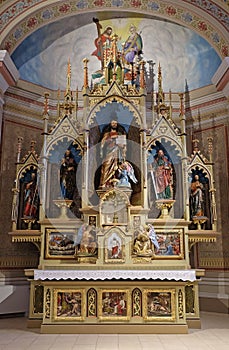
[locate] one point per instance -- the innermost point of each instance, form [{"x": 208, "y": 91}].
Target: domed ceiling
[{"x": 185, "y": 57}]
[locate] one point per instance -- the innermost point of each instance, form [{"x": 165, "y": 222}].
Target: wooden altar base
[
  {"x": 156, "y": 329},
  {"x": 94, "y": 307},
  {"x": 115, "y": 329}
]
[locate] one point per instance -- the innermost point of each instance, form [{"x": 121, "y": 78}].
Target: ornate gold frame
[
  {"x": 112, "y": 316},
  {"x": 181, "y": 244},
  {"x": 48, "y": 232},
  {"x": 171, "y": 317},
  {"x": 94, "y": 217},
  {"x": 69, "y": 317},
  {"x": 120, "y": 235}
]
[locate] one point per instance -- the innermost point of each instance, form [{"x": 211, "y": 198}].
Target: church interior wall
[{"x": 207, "y": 116}]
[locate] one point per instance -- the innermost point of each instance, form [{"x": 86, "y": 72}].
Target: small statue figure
[
  {"x": 124, "y": 173},
  {"x": 142, "y": 245},
  {"x": 68, "y": 175},
  {"x": 31, "y": 198},
  {"x": 153, "y": 237},
  {"x": 162, "y": 176},
  {"x": 196, "y": 197}
]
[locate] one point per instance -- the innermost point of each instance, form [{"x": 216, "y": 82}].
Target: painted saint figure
[
  {"x": 115, "y": 250},
  {"x": 133, "y": 45},
  {"x": 162, "y": 176},
  {"x": 68, "y": 175},
  {"x": 31, "y": 199},
  {"x": 102, "y": 42},
  {"x": 196, "y": 197}
]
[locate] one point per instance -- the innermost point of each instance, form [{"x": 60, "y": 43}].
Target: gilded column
[
  {"x": 43, "y": 160},
  {"x": 212, "y": 188},
  {"x": 184, "y": 157}
]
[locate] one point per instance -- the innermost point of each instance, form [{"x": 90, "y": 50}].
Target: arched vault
[{"x": 19, "y": 18}]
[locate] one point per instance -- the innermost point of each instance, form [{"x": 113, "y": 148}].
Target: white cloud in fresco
[{"x": 183, "y": 55}]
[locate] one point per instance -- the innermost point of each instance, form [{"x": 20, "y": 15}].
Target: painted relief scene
[
  {"x": 169, "y": 244},
  {"x": 68, "y": 304},
  {"x": 159, "y": 304},
  {"x": 114, "y": 249},
  {"x": 149, "y": 242},
  {"x": 114, "y": 304},
  {"x": 86, "y": 240},
  {"x": 60, "y": 243}
]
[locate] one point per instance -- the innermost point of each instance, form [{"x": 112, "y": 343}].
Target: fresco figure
[
  {"x": 112, "y": 152},
  {"x": 31, "y": 199},
  {"x": 68, "y": 175},
  {"x": 133, "y": 45},
  {"x": 196, "y": 197},
  {"x": 162, "y": 176},
  {"x": 102, "y": 42}
]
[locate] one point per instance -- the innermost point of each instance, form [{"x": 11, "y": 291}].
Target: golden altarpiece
[{"x": 114, "y": 204}]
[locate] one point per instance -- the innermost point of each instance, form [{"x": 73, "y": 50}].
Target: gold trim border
[
  {"x": 69, "y": 318},
  {"x": 101, "y": 317},
  {"x": 171, "y": 318}
]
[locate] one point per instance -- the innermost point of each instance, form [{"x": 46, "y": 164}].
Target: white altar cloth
[{"x": 177, "y": 275}]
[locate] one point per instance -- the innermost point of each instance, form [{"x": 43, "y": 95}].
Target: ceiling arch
[{"x": 19, "y": 19}]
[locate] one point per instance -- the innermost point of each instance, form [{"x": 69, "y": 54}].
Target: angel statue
[
  {"x": 142, "y": 244},
  {"x": 153, "y": 237},
  {"x": 125, "y": 172}
]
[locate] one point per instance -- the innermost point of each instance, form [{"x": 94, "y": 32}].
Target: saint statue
[
  {"x": 196, "y": 197},
  {"x": 31, "y": 198},
  {"x": 162, "y": 175},
  {"x": 68, "y": 175},
  {"x": 113, "y": 146}
]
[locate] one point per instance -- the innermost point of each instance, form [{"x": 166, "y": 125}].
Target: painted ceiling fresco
[{"x": 184, "y": 56}]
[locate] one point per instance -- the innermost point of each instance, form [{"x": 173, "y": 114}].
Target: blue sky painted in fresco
[{"x": 183, "y": 55}]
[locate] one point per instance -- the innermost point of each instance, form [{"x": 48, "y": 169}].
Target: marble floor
[{"x": 214, "y": 334}]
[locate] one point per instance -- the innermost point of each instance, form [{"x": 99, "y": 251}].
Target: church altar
[{"x": 114, "y": 204}]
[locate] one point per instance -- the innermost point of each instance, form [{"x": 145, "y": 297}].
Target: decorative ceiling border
[{"x": 24, "y": 17}]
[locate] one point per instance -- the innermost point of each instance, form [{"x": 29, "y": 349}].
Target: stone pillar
[{"x": 8, "y": 77}]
